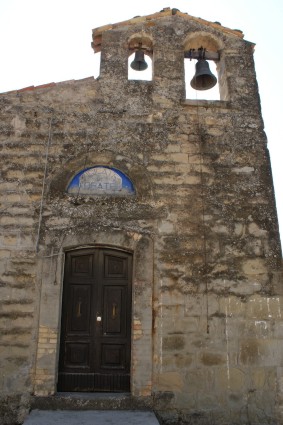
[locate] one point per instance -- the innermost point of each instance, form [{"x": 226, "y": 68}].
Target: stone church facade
[{"x": 139, "y": 243}]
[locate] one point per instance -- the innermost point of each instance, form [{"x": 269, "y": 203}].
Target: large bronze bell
[
  {"x": 139, "y": 64},
  {"x": 203, "y": 78}
]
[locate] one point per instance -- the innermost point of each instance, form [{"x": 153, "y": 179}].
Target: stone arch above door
[
  {"x": 61, "y": 176},
  {"x": 51, "y": 269}
]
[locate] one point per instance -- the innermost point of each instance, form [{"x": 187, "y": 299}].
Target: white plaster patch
[{"x": 243, "y": 170}]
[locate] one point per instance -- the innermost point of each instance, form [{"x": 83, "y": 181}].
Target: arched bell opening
[
  {"x": 140, "y": 58},
  {"x": 204, "y": 68}
]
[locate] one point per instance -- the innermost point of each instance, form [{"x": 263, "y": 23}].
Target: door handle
[
  {"x": 114, "y": 310},
  {"x": 98, "y": 317},
  {"x": 79, "y": 306}
]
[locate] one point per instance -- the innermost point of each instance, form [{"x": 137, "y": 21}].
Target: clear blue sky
[{"x": 44, "y": 41}]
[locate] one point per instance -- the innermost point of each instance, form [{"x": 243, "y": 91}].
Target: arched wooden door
[{"x": 95, "y": 349}]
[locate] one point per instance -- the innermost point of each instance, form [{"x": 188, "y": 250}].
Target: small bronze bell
[
  {"x": 203, "y": 78},
  {"x": 139, "y": 64}
]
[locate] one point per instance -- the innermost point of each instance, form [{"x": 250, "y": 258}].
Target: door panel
[
  {"x": 114, "y": 319},
  {"x": 77, "y": 355},
  {"x": 96, "y": 321},
  {"x": 115, "y": 267},
  {"x": 82, "y": 265},
  {"x": 81, "y": 309},
  {"x": 113, "y": 356}
]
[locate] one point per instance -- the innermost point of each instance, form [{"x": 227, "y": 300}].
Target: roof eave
[{"x": 166, "y": 12}]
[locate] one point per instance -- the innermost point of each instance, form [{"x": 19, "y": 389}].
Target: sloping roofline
[{"x": 167, "y": 11}]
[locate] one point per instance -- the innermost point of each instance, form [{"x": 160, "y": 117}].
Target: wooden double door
[{"x": 95, "y": 349}]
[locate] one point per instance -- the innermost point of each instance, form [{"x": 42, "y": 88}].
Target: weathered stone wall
[{"x": 207, "y": 326}]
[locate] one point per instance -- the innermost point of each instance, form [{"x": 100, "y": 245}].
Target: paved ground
[{"x": 91, "y": 417}]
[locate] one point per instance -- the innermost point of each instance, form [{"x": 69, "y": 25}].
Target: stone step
[
  {"x": 91, "y": 417},
  {"x": 91, "y": 401}
]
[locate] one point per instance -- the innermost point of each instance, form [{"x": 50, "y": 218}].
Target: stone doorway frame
[{"x": 50, "y": 284}]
